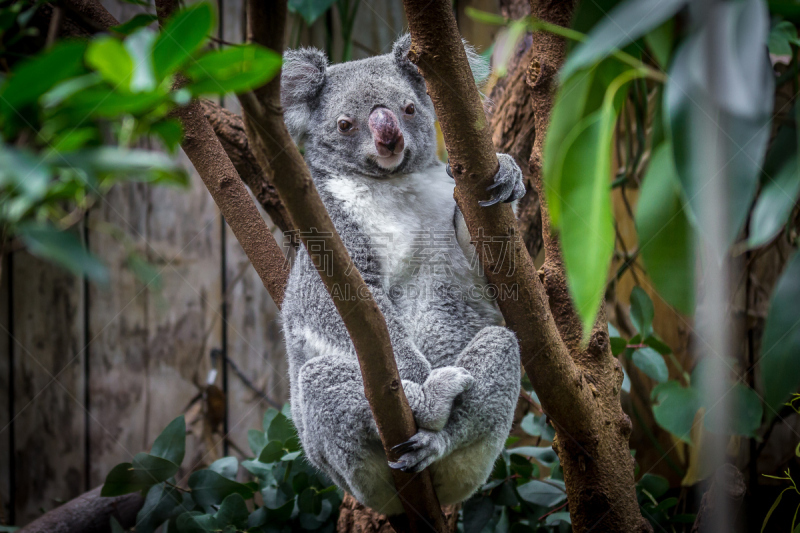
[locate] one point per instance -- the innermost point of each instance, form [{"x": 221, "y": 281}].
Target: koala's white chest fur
[{"x": 409, "y": 220}]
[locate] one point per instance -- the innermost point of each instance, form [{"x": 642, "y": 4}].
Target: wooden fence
[{"x": 90, "y": 375}]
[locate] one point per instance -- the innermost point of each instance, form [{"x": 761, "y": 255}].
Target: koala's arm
[{"x": 508, "y": 186}]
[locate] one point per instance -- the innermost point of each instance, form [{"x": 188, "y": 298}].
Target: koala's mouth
[{"x": 390, "y": 162}]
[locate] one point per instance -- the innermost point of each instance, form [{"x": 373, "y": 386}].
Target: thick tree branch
[
  {"x": 230, "y": 130},
  {"x": 362, "y": 316},
  {"x": 88, "y": 513},
  {"x": 579, "y": 388}
]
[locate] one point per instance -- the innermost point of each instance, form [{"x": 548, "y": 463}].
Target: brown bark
[
  {"x": 512, "y": 125},
  {"x": 88, "y": 513},
  {"x": 230, "y": 130},
  {"x": 579, "y": 388},
  {"x": 362, "y": 316}
]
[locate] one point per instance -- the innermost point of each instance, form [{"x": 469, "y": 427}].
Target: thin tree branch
[
  {"x": 362, "y": 317},
  {"x": 88, "y": 513}
]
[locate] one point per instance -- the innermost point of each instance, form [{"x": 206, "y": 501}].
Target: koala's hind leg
[
  {"x": 339, "y": 434},
  {"x": 463, "y": 452}
]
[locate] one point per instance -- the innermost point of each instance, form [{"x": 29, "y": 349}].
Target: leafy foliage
[
  {"x": 293, "y": 495},
  {"x": 71, "y": 115}
]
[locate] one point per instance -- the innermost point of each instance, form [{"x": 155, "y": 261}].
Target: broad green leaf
[
  {"x": 162, "y": 503},
  {"x": 541, "y": 493},
  {"x": 557, "y": 518},
  {"x": 642, "y": 311},
  {"x": 628, "y": 21},
  {"x": 34, "y": 77},
  {"x": 665, "y": 235},
  {"x": 136, "y": 165},
  {"x": 210, "y": 488},
  {"x": 139, "y": 21},
  {"x": 181, "y": 37},
  {"x": 746, "y": 412},
  {"x": 675, "y": 408},
  {"x": 281, "y": 429},
  {"x": 618, "y": 345},
  {"x": 170, "y": 132},
  {"x": 111, "y": 60},
  {"x": 232, "y": 512},
  {"x": 145, "y": 471},
  {"x": 310, "y": 10},
  {"x": 781, "y": 38},
  {"x": 586, "y": 226},
  {"x": 171, "y": 443},
  {"x": 657, "y": 486},
  {"x": 544, "y": 455},
  {"x": 272, "y": 452},
  {"x": 65, "y": 249},
  {"x": 774, "y": 205},
  {"x": 651, "y": 363},
  {"x": 257, "y": 440},
  {"x": 233, "y": 70},
  {"x": 779, "y": 361},
  {"x": 719, "y": 103},
  {"x": 226, "y": 466},
  {"x": 23, "y": 173},
  {"x": 478, "y": 510},
  {"x": 660, "y": 41}
]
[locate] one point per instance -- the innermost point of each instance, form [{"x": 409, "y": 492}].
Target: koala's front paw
[
  {"x": 440, "y": 389},
  {"x": 509, "y": 184},
  {"x": 419, "y": 452}
]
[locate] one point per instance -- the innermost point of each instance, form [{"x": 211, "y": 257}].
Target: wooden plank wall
[{"x": 90, "y": 375}]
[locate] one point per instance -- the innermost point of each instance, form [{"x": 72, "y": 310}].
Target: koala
[{"x": 367, "y": 128}]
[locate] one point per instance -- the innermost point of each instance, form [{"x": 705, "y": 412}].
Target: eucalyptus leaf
[
  {"x": 181, "y": 37},
  {"x": 310, "y": 10},
  {"x": 171, "y": 443},
  {"x": 210, "y": 488},
  {"x": 233, "y": 70},
  {"x": 478, "y": 510},
  {"x": 541, "y": 493},
  {"x": 642, "y": 311},
  {"x": 779, "y": 362},
  {"x": 675, "y": 408},
  {"x": 145, "y": 471},
  {"x": 111, "y": 60},
  {"x": 651, "y": 363},
  {"x": 65, "y": 249}
]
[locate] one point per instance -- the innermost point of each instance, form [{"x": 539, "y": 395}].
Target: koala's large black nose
[{"x": 386, "y": 132}]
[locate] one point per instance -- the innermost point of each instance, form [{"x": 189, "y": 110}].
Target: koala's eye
[
  {"x": 410, "y": 109},
  {"x": 344, "y": 124}
]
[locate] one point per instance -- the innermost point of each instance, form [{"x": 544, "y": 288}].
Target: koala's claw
[
  {"x": 419, "y": 452},
  {"x": 508, "y": 181},
  {"x": 448, "y": 169}
]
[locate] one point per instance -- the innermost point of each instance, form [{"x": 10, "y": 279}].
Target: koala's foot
[
  {"x": 509, "y": 184},
  {"x": 420, "y": 451},
  {"x": 439, "y": 390}
]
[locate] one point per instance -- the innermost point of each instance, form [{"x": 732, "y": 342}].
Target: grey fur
[{"x": 460, "y": 369}]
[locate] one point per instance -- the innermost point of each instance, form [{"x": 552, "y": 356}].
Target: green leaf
[
  {"x": 136, "y": 165},
  {"x": 272, "y": 452},
  {"x": 139, "y": 21},
  {"x": 226, "y": 466},
  {"x": 478, "y": 510},
  {"x": 772, "y": 509},
  {"x": 257, "y": 440},
  {"x": 171, "y": 443},
  {"x": 210, "y": 488},
  {"x": 181, "y": 36},
  {"x": 115, "y": 527},
  {"x": 665, "y": 235},
  {"x": 109, "y": 58},
  {"x": 618, "y": 345},
  {"x": 657, "y": 486},
  {"x": 587, "y": 226},
  {"x": 310, "y": 10},
  {"x": 540, "y": 493},
  {"x": 774, "y": 204},
  {"x": 544, "y": 455},
  {"x": 281, "y": 429},
  {"x": 780, "y": 38},
  {"x": 779, "y": 362},
  {"x": 170, "y": 132},
  {"x": 233, "y": 70},
  {"x": 145, "y": 471},
  {"x": 651, "y": 363},
  {"x": 675, "y": 408},
  {"x": 34, "y": 77},
  {"x": 642, "y": 311},
  {"x": 660, "y": 41},
  {"x": 162, "y": 503},
  {"x": 232, "y": 512},
  {"x": 720, "y": 122},
  {"x": 63, "y": 248},
  {"x": 628, "y": 21},
  {"x": 746, "y": 412},
  {"x": 556, "y": 518}
]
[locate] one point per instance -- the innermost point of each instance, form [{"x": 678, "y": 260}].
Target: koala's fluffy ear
[
  {"x": 479, "y": 65},
  {"x": 302, "y": 79}
]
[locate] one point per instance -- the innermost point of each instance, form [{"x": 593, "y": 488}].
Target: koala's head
[{"x": 370, "y": 117}]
